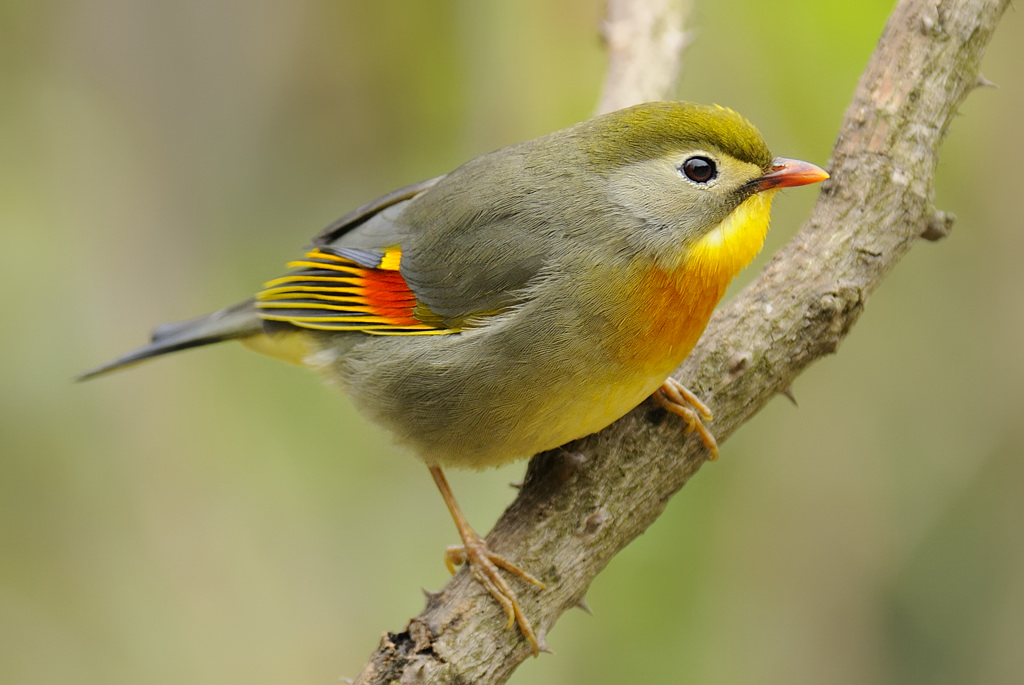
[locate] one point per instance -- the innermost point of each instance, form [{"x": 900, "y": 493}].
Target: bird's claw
[
  {"x": 674, "y": 397},
  {"x": 484, "y": 565}
]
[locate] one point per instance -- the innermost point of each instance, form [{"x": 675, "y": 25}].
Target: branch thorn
[
  {"x": 582, "y": 605},
  {"x": 982, "y": 82}
]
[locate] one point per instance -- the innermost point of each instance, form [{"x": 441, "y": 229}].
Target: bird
[{"x": 528, "y": 298}]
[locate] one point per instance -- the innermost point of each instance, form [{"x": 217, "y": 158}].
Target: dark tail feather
[{"x": 237, "y": 321}]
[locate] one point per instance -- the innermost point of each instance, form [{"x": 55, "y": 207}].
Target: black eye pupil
[{"x": 699, "y": 169}]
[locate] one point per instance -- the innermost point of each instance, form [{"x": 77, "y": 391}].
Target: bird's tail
[{"x": 236, "y": 321}]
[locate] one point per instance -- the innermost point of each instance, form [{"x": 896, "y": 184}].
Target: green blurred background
[{"x": 218, "y": 517}]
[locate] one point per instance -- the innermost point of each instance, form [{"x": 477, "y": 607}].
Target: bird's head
[{"x": 685, "y": 178}]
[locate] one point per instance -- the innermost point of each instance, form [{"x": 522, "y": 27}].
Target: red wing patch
[{"x": 332, "y": 292}]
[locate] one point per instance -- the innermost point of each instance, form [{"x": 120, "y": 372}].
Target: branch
[
  {"x": 644, "y": 39},
  {"x": 581, "y": 504}
]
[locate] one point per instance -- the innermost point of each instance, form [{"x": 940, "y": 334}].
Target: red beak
[{"x": 786, "y": 173}]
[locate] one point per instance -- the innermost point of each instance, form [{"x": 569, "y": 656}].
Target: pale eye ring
[{"x": 699, "y": 169}]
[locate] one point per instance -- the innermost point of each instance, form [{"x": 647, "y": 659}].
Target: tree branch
[
  {"x": 645, "y": 41},
  {"x": 581, "y": 504}
]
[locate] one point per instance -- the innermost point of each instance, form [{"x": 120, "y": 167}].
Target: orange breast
[
  {"x": 664, "y": 320},
  {"x": 667, "y": 308}
]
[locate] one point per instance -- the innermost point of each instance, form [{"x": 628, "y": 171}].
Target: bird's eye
[{"x": 699, "y": 169}]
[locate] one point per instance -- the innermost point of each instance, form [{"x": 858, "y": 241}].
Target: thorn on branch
[
  {"x": 433, "y": 598},
  {"x": 582, "y": 605},
  {"x": 542, "y": 638},
  {"x": 982, "y": 82}
]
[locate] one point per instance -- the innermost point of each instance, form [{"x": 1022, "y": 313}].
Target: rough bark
[{"x": 583, "y": 503}]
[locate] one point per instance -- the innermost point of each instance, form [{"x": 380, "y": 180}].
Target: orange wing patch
[{"x": 352, "y": 290}]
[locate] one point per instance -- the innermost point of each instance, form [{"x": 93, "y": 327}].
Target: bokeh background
[{"x": 218, "y": 517}]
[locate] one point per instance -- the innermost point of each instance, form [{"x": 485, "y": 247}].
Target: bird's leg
[
  {"x": 674, "y": 397},
  {"x": 484, "y": 563}
]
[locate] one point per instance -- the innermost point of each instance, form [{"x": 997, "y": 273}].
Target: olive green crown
[{"x": 655, "y": 128}]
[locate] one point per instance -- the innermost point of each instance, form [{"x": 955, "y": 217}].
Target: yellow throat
[{"x": 717, "y": 257}]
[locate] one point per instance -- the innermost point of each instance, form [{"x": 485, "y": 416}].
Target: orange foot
[
  {"x": 674, "y": 397},
  {"x": 484, "y": 565}
]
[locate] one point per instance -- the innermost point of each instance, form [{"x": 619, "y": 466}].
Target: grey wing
[
  {"x": 343, "y": 231},
  {"x": 462, "y": 256}
]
